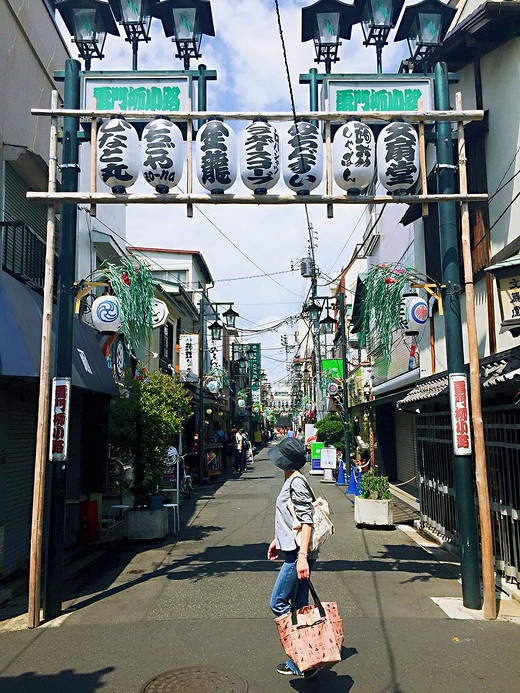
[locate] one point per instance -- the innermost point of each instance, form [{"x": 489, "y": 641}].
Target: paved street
[{"x": 203, "y": 599}]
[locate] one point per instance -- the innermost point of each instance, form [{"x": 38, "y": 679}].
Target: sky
[{"x": 247, "y": 241}]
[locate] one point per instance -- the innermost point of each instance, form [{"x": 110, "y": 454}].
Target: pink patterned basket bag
[{"x": 312, "y": 636}]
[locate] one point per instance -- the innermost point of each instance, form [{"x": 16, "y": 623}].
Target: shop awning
[
  {"x": 20, "y": 340},
  {"x": 495, "y": 370}
]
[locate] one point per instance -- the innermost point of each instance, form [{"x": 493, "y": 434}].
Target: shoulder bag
[{"x": 322, "y": 527}]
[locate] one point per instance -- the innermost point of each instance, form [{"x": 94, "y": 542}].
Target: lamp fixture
[
  {"x": 326, "y": 22},
  {"x": 424, "y": 26},
  {"x": 186, "y": 21},
  {"x": 88, "y": 22}
]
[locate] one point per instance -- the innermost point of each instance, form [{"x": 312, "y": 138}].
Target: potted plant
[
  {"x": 374, "y": 505},
  {"x": 144, "y": 419}
]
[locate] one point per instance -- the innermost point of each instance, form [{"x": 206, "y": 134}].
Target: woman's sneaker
[{"x": 288, "y": 669}]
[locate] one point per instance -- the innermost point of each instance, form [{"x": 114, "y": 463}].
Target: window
[{"x": 166, "y": 348}]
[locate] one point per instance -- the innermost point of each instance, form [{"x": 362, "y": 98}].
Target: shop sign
[
  {"x": 189, "y": 358},
  {"x": 509, "y": 288},
  {"x": 159, "y": 313},
  {"x": 215, "y": 350},
  {"x": 60, "y": 404},
  {"x": 332, "y": 366},
  {"x": 131, "y": 92},
  {"x": 371, "y": 93},
  {"x": 459, "y": 407},
  {"x": 255, "y": 394}
]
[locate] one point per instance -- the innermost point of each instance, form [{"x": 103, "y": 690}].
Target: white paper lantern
[
  {"x": 162, "y": 154},
  {"x": 216, "y": 156},
  {"x": 118, "y": 154},
  {"x": 302, "y": 157},
  {"x": 398, "y": 157},
  {"x": 212, "y": 386},
  {"x": 106, "y": 314},
  {"x": 353, "y": 157},
  {"x": 159, "y": 313},
  {"x": 241, "y": 403},
  {"x": 260, "y": 156},
  {"x": 414, "y": 313}
]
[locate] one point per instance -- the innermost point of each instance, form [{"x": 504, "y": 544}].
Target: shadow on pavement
[{"x": 66, "y": 680}]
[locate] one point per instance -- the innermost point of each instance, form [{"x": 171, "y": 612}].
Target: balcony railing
[{"x": 23, "y": 253}]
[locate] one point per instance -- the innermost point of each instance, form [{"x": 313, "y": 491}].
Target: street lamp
[
  {"x": 88, "y": 21},
  {"x": 314, "y": 309},
  {"x": 377, "y": 18},
  {"x": 230, "y": 317},
  {"x": 242, "y": 365},
  {"x": 424, "y": 26},
  {"x": 136, "y": 18},
  {"x": 186, "y": 21},
  {"x": 326, "y": 21},
  {"x": 250, "y": 354},
  {"x": 216, "y": 330},
  {"x": 328, "y": 324}
]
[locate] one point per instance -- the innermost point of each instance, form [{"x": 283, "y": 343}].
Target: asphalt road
[{"x": 202, "y": 598}]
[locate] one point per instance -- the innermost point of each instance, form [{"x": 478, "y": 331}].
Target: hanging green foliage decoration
[
  {"x": 381, "y": 302},
  {"x": 134, "y": 288}
]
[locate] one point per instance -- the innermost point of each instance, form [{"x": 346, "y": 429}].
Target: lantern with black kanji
[
  {"x": 302, "y": 157},
  {"x": 216, "y": 156},
  {"x": 353, "y": 157},
  {"x": 162, "y": 154},
  {"x": 398, "y": 157},
  {"x": 260, "y": 156},
  {"x": 118, "y": 154}
]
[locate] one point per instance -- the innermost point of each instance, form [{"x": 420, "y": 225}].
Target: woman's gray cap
[{"x": 289, "y": 455}]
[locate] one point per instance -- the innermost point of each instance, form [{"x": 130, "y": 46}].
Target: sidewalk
[{"x": 202, "y": 599}]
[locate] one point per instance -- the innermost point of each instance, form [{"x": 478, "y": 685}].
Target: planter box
[
  {"x": 147, "y": 524},
  {"x": 373, "y": 512}
]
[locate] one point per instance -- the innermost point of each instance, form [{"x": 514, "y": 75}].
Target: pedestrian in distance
[
  {"x": 237, "y": 448},
  {"x": 292, "y": 581}
]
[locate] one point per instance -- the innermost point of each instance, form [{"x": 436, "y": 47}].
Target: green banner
[{"x": 332, "y": 366}]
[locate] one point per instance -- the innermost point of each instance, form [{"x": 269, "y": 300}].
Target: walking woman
[{"x": 291, "y": 584}]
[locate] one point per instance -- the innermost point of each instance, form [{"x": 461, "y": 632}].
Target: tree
[
  {"x": 331, "y": 431},
  {"x": 144, "y": 419}
]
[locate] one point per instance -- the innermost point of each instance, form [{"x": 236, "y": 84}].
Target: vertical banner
[
  {"x": 60, "y": 405},
  {"x": 189, "y": 358},
  {"x": 459, "y": 408},
  {"x": 215, "y": 349}
]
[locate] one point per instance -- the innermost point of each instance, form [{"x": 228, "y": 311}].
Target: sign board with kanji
[
  {"x": 60, "y": 405},
  {"x": 460, "y": 420},
  {"x": 136, "y": 91},
  {"x": 332, "y": 366},
  {"x": 189, "y": 358}
]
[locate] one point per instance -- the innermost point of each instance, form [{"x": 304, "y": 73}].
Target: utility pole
[
  {"x": 462, "y": 465},
  {"x": 202, "y": 334},
  {"x": 344, "y": 344},
  {"x": 65, "y": 285}
]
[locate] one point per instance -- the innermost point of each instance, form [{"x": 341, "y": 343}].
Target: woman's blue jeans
[{"x": 287, "y": 587}]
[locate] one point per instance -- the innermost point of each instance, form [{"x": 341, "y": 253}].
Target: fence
[{"x": 437, "y": 493}]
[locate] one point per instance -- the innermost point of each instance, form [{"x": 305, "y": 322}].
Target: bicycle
[{"x": 185, "y": 482}]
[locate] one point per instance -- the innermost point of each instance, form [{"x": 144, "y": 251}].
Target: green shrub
[{"x": 375, "y": 487}]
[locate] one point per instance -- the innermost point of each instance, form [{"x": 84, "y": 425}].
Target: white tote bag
[{"x": 322, "y": 527}]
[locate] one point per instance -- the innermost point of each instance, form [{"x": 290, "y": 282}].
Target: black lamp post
[
  {"x": 377, "y": 18},
  {"x": 328, "y": 324},
  {"x": 314, "y": 310},
  {"x": 424, "y": 26},
  {"x": 88, "y": 21},
  {"x": 136, "y": 18},
  {"x": 186, "y": 21},
  {"x": 326, "y": 22},
  {"x": 216, "y": 330}
]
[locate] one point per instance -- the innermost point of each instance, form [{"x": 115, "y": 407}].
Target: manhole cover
[{"x": 195, "y": 680}]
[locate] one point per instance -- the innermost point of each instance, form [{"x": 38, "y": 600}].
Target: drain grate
[{"x": 195, "y": 680}]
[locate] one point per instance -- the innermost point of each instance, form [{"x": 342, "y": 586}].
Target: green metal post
[
  {"x": 462, "y": 465},
  {"x": 66, "y": 279},
  {"x": 343, "y": 337},
  {"x": 202, "y": 92},
  {"x": 202, "y": 325},
  {"x": 313, "y": 92}
]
